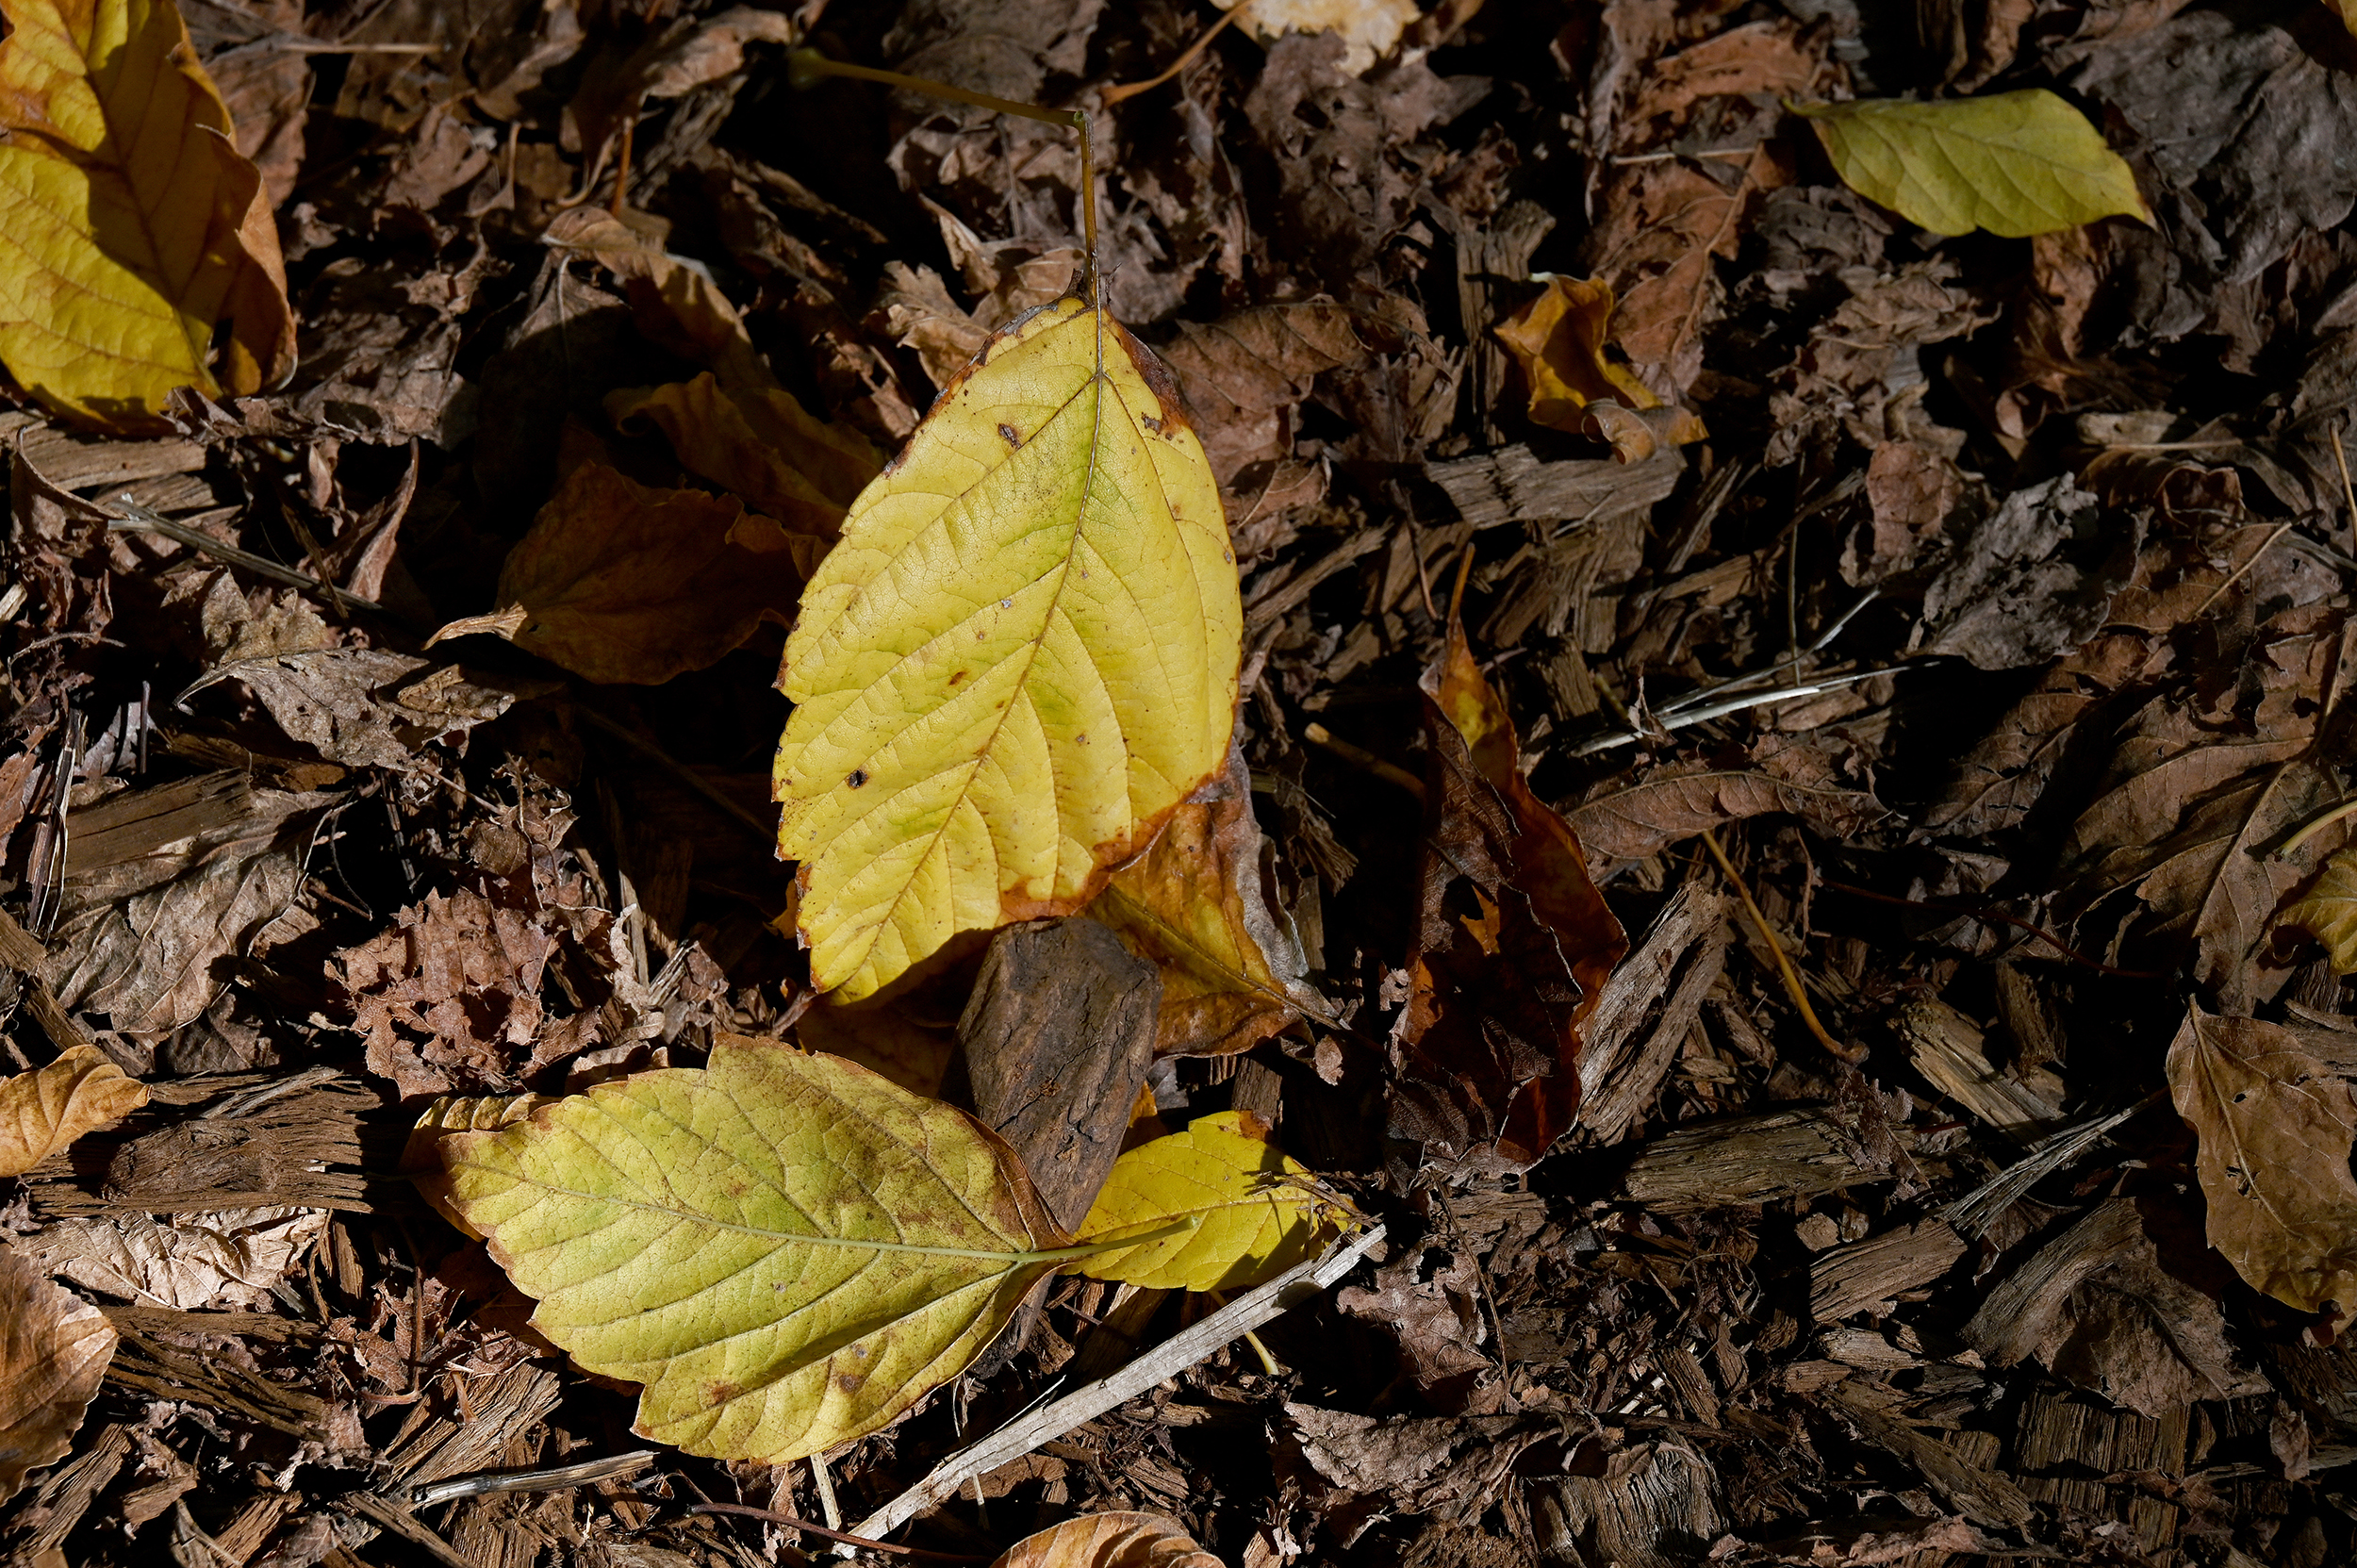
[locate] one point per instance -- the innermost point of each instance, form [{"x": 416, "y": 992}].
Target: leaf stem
[{"x": 804, "y": 66}]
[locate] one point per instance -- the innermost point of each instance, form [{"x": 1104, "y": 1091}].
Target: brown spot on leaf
[
  {"x": 857, "y": 778},
  {"x": 1007, "y": 433}
]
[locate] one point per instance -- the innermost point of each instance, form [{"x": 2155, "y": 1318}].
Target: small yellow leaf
[
  {"x": 132, "y": 224},
  {"x": 2013, "y": 163},
  {"x": 1257, "y": 1218},
  {"x": 45, "y": 1110},
  {"x": 447, "y": 1127},
  {"x": 760, "y": 443},
  {"x": 2346, "y": 10},
  {"x": 54, "y": 1350},
  {"x": 1019, "y": 658},
  {"x": 619, "y": 583},
  {"x": 787, "y": 1250},
  {"x": 2328, "y": 912},
  {"x": 1557, "y": 340},
  {"x": 1108, "y": 1541}
]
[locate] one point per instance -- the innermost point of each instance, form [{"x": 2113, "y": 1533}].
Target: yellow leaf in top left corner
[{"x": 130, "y": 225}]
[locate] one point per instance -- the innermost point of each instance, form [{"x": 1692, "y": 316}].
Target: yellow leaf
[
  {"x": 1559, "y": 340},
  {"x": 1257, "y": 1218},
  {"x": 760, "y": 443},
  {"x": 619, "y": 583},
  {"x": 2275, "y": 1125},
  {"x": 787, "y": 1250},
  {"x": 2013, "y": 163},
  {"x": 2346, "y": 10},
  {"x": 1019, "y": 658},
  {"x": 132, "y": 224},
  {"x": 447, "y": 1127},
  {"x": 1108, "y": 1541},
  {"x": 2328, "y": 912},
  {"x": 54, "y": 1350},
  {"x": 45, "y": 1110}
]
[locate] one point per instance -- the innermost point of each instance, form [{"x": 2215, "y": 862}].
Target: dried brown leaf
[
  {"x": 2276, "y": 1126},
  {"x": 54, "y": 1349},
  {"x": 1108, "y": 1541},
  {"x": 45, "y": 1110},
  {"x": 619, "y": 583},
  {"x": 1630, "y": 821},
  {"x": 760, "y": 443}
]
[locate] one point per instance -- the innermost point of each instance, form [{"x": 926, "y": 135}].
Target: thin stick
[
  {"x": 1131, "y": 90},
  {"x": 1975, "y": 912},
  {"x": 2265, "y": 545},
  {"x": 2323, "y": 821},
  {"x": 1732, "y": 705},
  {"x": 823, "y": 1484},
  {"x": 1175, "y": 1355},
  {"x": 1791, "y": 979},
  {"x": 2348, "y": 491},
  {"x": 804, "y": 64},
  {"x": 1359, "y": 756},
  {"x": 133, "y": 519},
  {"x": 679, "y": 771},
  {"x": 553, "y": 1480},
  {"x": 773, "y": 1517}
]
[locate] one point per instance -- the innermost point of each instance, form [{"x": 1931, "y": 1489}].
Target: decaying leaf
[
  {"x": 1021, "y": 656},
  {"x": 365, "y": 707},
  {"x": 1369, "y": 29},
  {"x": 444, "y": 990},
  {"x": 45, "y": 1110},
  {"x": 191, "y": 1262},
  {"x": 2328, "y": 912},
  {"x": 134, "y": 223},
  {"x": 1558, "y": 341},
  {"x": 1192, "y": 905},
  {"x": 2013, "y": 163},
  {"x": 2276, "y": 1125},
  {"x": 675, "y": 301},
  {"x": 1258, "y": 1219},
  {"x": 1108, "y": 1541},
  {"x": 760, "y": 444},
  {"x": 1626, "y": 821},
  {"x": 787, "y": 1250},
  {"x": 54, "y": 1349},
  {"x": 1513, "y": 941},
  {"x": 620, "y": 582}
]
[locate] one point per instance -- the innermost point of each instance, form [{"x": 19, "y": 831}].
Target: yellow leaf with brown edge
[
  {"x": 1194, "y": 907},
  {"x": 1018, "y": 660},
  {"x": 2328, "y": 912},
  {"x": 784, "y": 1250},
  {"x": 54, "y": 1350},
  {"x": 45, "y": 1110},
  {"x": 130, "y": 225},
  {"x": 2275, "y": 1125},
  {"x": 760, "y": 443},
  {"x": 622, "y": 583},
  {"x": 1108, "y": 1541},
  {"x": 1257, "y": 1215}
]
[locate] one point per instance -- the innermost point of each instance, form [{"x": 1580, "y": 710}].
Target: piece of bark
[
  {"x": 1647, "y": 1008},
  {"x": 1656, "y": 1506},
  {"x": 1514, "y": 486},
  {"x": 1945, "y": 1047},
  {"x": 1980, "y": 1496},
  {"x": 1872, "y": 1273},
  {"x": 1755, "y": 1159},
  {"x": 1056, "y": 1040}
]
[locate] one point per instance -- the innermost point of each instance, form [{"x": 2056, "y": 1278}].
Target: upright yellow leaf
[
  {"x": 2013, "y": 163},
  {"x": 1257, "y": 1218},
  {"x": 45, "y": 1110},
  {"x": 1019, "y": 658},
  {"x": 787, "y": 1250},
  {"x": 2328, "y": 912},
  {"x": 129, "y": 222}
]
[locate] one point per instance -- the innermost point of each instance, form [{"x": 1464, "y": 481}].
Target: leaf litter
[{"x": 390, "y": 730}]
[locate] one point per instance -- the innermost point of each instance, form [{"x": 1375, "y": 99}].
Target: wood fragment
[
  {"x": 1755, "y": 1159},
  {"x": 1290, "y": 1289},
  {"x": 1983, "y": 1497},
  {"x": 1869, "y": 1274},
  {"x": 1514, "y": 486}
]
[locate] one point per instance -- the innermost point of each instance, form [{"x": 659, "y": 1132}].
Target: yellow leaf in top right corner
[
  {"x": 129, "y": 222},
  {"x": 2013, "y": 163},
  {"x": 1255, "y": 1217},
  {"x": 2328, "y": 912}
]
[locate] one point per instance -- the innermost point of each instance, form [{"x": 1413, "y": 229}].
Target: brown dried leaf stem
[
  {"x": 1792, "y": 986},
  {"x": 1131, "y": 90}
]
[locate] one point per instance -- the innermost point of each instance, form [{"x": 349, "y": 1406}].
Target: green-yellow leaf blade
[
  {"x": 787, "y": 1250},
  {"x": 2013, "y": 163},
  {"x": 129, "y": 222},
  {"x": 1257, "y": 1218},
  {"x": 1021, "y": 656}
]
